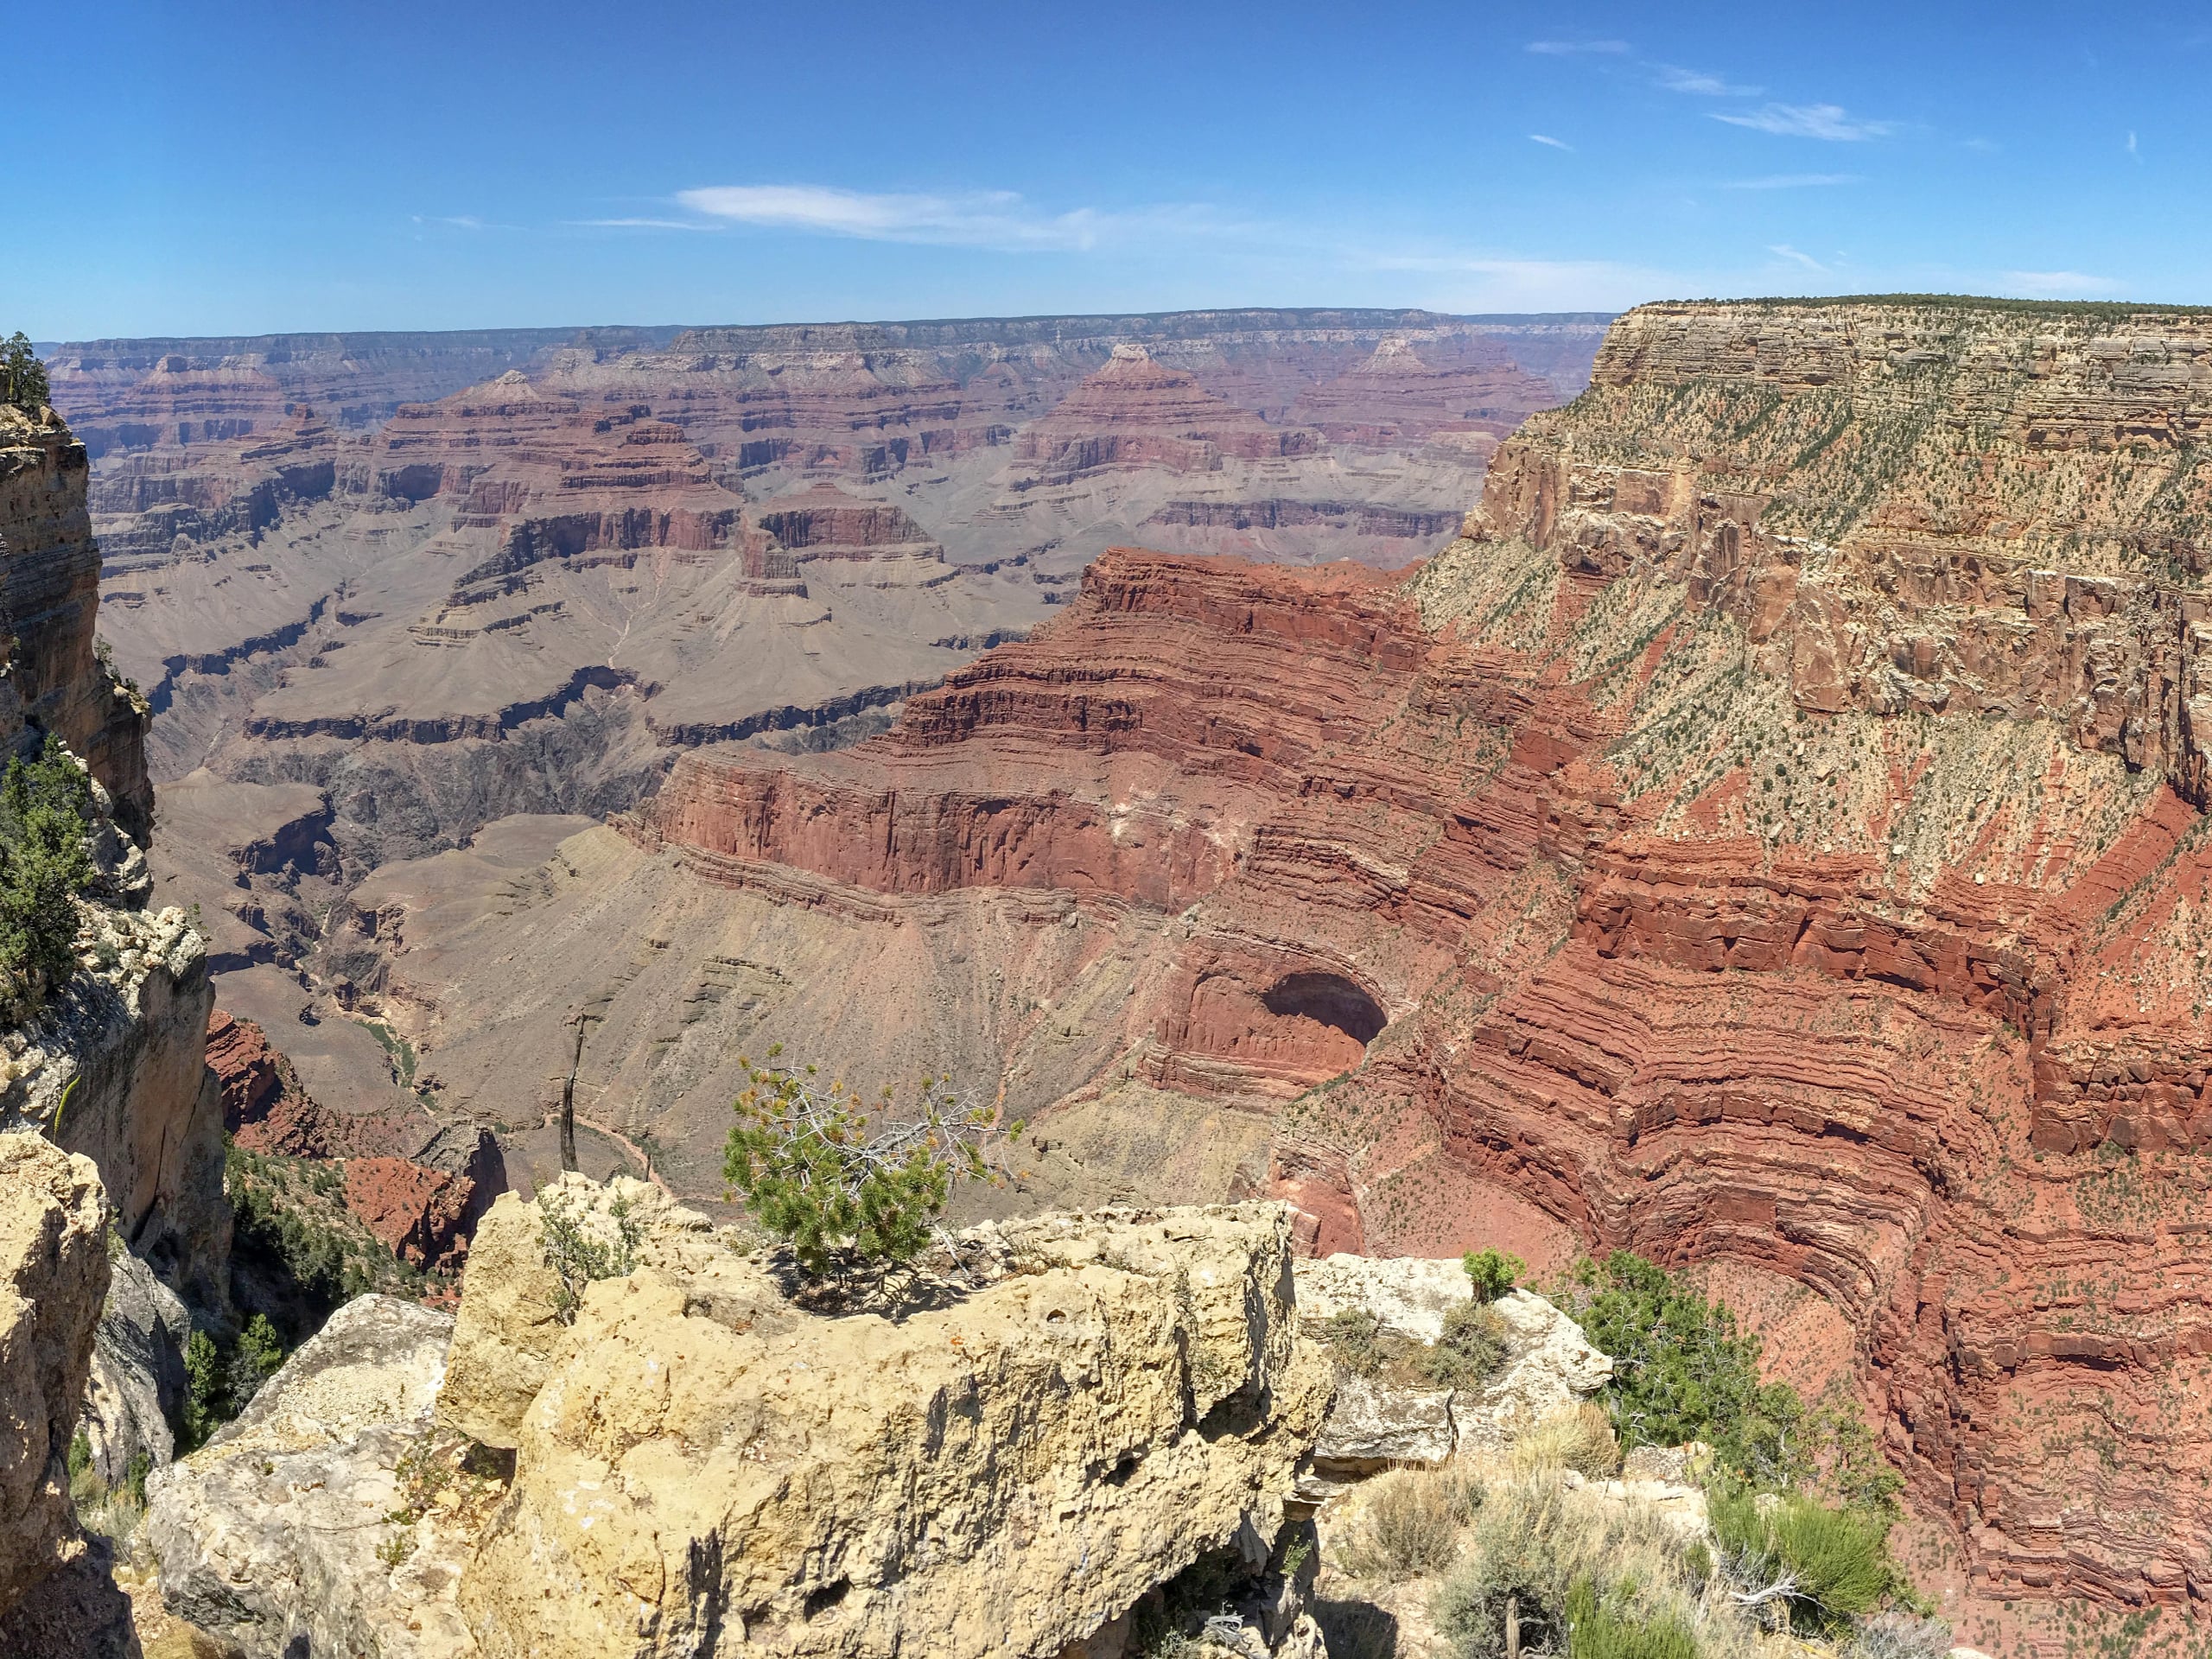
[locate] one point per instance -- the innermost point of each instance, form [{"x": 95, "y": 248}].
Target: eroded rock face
[
  {"x": 53, "y": 1276},
  {"x": 136, "y": 1384},
  {"x": 1007, "y": 1473},
  {"x": 287, "y": 1533},
  {"x": 1770, "y": 836},
  {"x": 49, "y": 587},
  {"x": 114, "y": 1067}
]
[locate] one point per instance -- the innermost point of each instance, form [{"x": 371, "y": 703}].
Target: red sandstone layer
[{"x": 1697, "y": 1044}]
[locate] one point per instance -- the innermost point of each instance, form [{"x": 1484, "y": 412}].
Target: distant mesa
[{"x": 1137, "y": 412}]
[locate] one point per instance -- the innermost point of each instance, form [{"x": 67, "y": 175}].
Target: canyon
[
  {"x": 386, "y": 593},
  {"x": 1769, "y": 838},
  {"x": 1769, "y": 835}
]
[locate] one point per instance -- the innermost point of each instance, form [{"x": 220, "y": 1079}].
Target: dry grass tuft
[
  {"x": 1578, "y": 1437},
  {"x": 1410, "y": 1523}
]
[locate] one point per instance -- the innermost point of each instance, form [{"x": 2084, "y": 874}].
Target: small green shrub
[
  {"x": 221, "y": 1378},
  {"x": 205, "y": 1395},
  {"x": 1471, "y": 1350},
  {"x": 1536, "y": 1540},
  {"x": 1493, "y": 1272},
  {"x": 1410, "y": 1523},
  {"x": 45, "y": 806},
  {"x": 1596, "y": 1631},
  {"x": 141, "y": 1465},
  {"x": 1467, "y": 1354},
  {"x": 1682, "y": 1371},
  {"x": 22, "y": 377},
  {"x": 1357, "y": 1341},
  {"x": 581, "y": 1250},
  {"x": 1829, "y": 1566},
  {"x": 814, "y": 1176},
  {"x": 1578, "y": 1437},
  {"x": 254, "y": 1359}
]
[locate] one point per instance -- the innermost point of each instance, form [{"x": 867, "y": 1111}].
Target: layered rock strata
[{"x": 1769, "y": 837}]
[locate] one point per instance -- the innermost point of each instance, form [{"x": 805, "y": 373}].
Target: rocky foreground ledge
[{"x": 700, "y": 1464}]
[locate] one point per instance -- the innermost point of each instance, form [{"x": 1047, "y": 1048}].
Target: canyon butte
[{"x": 1769, "y": 835}]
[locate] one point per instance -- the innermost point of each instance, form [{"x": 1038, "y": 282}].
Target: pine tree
[{"x": 22, "y": 377}]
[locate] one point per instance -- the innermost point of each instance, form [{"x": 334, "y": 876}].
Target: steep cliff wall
[
  {"x": 49, "y": 592},
  {"x": 1768, "y": 837},
  {"x": 112, "y": 1064}
]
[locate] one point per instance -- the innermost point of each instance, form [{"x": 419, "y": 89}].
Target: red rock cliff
[{"x": 1767, "y": 838}]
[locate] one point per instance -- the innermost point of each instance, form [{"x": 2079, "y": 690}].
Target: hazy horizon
[{"x": 252, "y": 169}]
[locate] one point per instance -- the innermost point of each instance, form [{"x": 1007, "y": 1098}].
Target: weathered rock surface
[
  {"x": 136, "y": 1384},
  {"x": 1007, "y": 1473},
  {"x": 110, "y": 1065},
  {"x": 49, "y": 594},
  {"x": 53, "y": 1275},
  {"x": 1550, "y": 1365},
  {"x": 114, "y": 1067},
  {"x": 287, "y": 1534}
]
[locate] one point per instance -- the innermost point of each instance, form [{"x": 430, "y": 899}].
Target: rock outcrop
[
  {"x": 1006, "y": 1470},
  {"x": 110, "y": 1063},
  {"x": 137, "y": 1386},
  {"x": 53, "y": 1275},
  {"x": 1550, "y": 1366},
  {"x": 49, "y": 594},
  {"x": 313, "y": 1523},
  {"x": 1135, "y": 413}
]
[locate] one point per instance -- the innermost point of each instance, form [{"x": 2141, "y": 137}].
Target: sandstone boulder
[
  {"x": 1552, "y": 1365},
  {"x": 303, "y": 1528},
  {"x": 1409, "y": 1296},
  {"x": 1005, "y": 1468},
  {"x": 1373, "y": 1425},
  {"x": 53, "y": 1276},
  {"x": 511, "y": 1316}
]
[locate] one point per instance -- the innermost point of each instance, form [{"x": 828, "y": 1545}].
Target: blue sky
[{"x": 201, "y": 168}]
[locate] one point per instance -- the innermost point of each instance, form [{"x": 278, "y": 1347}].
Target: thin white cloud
[
  {"x": 990, "y": 219},
  {"x": 1697, "y": 84},
  {"x": 458, "y": 221},
  {"x": 2132, "y": 150},
  {"x": 1784, "y": 251},
  {"x": 1829, "y": 121},
  {"x": 1794, "y": 181},
  {"x": 2059, "y": 284},
  {"x": 1986, "y": 146},
  {"x": 1544, "y": 138},
  {"x": 1576, "y": 48}
]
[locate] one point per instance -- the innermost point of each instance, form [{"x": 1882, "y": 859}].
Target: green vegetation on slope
[{"x": 46, "y": 807}]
